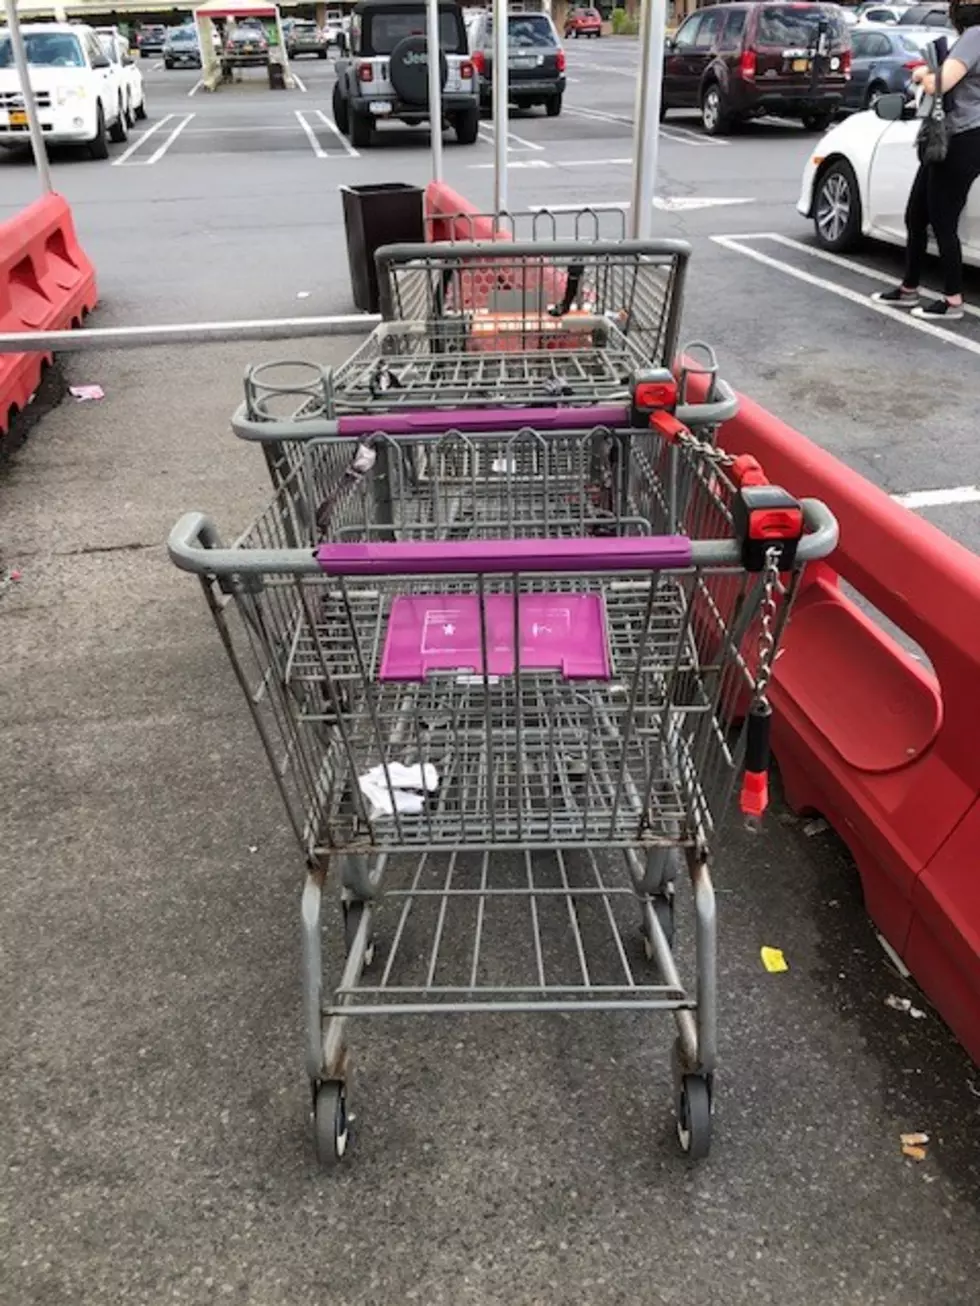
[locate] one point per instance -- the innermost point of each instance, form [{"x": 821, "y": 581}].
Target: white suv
[{"x": 79, "y": 94}]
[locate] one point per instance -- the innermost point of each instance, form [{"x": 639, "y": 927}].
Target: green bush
[{"x": 623, "y": 25}]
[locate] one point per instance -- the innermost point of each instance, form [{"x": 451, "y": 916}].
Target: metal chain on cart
[{"x": 767, "y": 636}]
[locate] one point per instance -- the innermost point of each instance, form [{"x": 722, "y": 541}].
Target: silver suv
[{"x": 386, "y": 75}]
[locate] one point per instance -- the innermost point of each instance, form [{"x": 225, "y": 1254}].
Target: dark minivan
[{"x": 740, "y": 61}]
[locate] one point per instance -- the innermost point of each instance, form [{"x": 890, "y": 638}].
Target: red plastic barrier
[
  {"x": 451, "y": 217},
  {"x": 46, "y": 283},
  {"x": 865, "y": 733}
]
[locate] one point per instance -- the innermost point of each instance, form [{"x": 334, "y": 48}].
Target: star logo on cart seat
[{"x": 449, "y": 628}]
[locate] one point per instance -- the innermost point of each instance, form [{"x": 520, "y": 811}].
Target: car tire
[
  {"x": 553, "y": 106},
  {"x": 140, "y": 110},
  {"x": 663, "y": 107},
  {"x": 361, "y": 130},
  {"x": 715, "y": 117},
  {"x": 168, "y": 64},
  {"x": 875, "y": 91},
  {"x": 98, "y": 146},
  {"x": 119, "y": 131},
  {"x": 467, "y": 125},
  {"x": 837, "y": 208},
  {"x": 341, "y": 113},
  {"x": 321, "y": 54},
  {"x": 817, "y": 122}
]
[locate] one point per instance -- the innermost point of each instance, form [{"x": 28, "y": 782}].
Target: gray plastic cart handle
[
  {"x": 540, "y": 250},
  {"x": 194, "y": 545},
  {"x": 298, "y": 430}
]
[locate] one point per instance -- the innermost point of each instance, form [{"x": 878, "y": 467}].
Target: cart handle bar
[
  {"x": 195, "y": 546},
  {"x": 496, "y": 557},
  {"x": 474, "y": 420},
  {"x": 542, "y": 251}
]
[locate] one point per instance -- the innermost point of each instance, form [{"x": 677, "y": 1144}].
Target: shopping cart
[
  {"x": 508, "y": 729},
  {"x": 525, "y": 325}
]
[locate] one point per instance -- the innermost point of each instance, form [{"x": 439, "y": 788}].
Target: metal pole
[
  {"x": 23, "y": 76},
  {"x": 186, "y": 333},
  {"x": 434, "y": 52},
  {"x": 501, "y": 95},
  {"x": 653, "y": 26}
]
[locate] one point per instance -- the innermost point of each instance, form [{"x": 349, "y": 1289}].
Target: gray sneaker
[
  {"x": 939, "y": 310},
  {"x": 898, "y": 298}
]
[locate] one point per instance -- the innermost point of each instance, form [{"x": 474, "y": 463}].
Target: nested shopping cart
[
  {"x": 543, "y": 332},
  {"x": 505, "y": 710}
]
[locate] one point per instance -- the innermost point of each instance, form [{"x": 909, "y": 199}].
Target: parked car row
[{"x": 85, "y": 85}]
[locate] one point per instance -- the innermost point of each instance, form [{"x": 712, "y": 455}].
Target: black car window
[
  {"x": 687, "y": 34},
  {"x": 527, "y": 30},
  {"x": 389, "y": 27},
  {"x": 45, "y": 50},
  {"x": 731, "y": 38},
  {"x": 796, "y": 26},
  {"x": 710, "y": 30}
]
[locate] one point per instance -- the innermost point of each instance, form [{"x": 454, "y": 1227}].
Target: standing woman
[{"x": 940, "y": 190}]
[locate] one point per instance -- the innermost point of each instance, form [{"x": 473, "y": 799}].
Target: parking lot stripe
[
  {"x": 317, "y": 148},
  {"x": 679, "y": 135},
  {"x": 486, "y": 131},
  {"x": 329, "y": 123},
  {"x": 144, "y": 136},
  {"x": 737, "y": 245},
  {"x": 851, "y": 265},
  {"x": 158, "y": 154},
  {"x": 299, "y": 82},
  {"x": 195, "y": 88},
  {"x": 939, "y": 498}
]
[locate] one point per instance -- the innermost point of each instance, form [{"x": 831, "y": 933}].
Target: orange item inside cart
[{"x": 517, "y": 332}]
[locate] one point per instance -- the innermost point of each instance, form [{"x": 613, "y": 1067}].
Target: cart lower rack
[{"x": 508, "y": 732}]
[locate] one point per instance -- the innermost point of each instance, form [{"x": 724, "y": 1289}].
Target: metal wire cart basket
[{"x": 507, "y": 681}]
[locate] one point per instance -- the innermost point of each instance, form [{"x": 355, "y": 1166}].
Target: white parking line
[
  {"x": 592, "y": 163},
  {"x": 144, "y": 136},
  {"x": 299, "y": 82},
  {"x": 155, "y": 67},
  {"x": 329, "y": 122},
  {"x": 318, "y": 149},
  {"x": 158, "y": 155},
  {"x": 486, "y": 131},
  {"x": 838, "y": 260},
  {"x": 195, "y": 88},
  {"x": 679, "y": 135},
  {"x": 939, "y": 498},
  {"x": 739, "y": 244}
]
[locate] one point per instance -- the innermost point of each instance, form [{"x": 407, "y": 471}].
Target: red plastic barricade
[
  {"x": 864, "y": 733},
  {"x": 46, "y": 283}
]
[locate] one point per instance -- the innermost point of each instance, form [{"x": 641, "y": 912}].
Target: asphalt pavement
[{"x": 155, "y": 1135}]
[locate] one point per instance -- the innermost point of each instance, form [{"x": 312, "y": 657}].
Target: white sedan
[{"x": 856, "y": 183}]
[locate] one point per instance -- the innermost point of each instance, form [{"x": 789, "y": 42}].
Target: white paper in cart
[{"x": 403, "y": 789}]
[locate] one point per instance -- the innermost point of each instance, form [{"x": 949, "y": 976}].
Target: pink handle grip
[{"x": 490, "y": 557}]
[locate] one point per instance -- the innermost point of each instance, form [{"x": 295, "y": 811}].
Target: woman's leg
[
  {"x": 948, "y": 187},
  {"x": 917, "y": 226}
]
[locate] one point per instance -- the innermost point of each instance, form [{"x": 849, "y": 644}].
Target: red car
[{"x": 583, "y": 22}]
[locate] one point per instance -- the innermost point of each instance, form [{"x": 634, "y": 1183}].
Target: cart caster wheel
[
  {"x": 694, "y": 1116},
  {"x": 663, "y": 907},
  {"x": 352, "y": 919},
  {"x": 330, "y": 1122}
]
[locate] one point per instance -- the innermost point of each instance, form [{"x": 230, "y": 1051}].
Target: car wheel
[
  {"x": 140, "y": 110},
  {"x": 361, "y": 130},
  {"x": 817, "y": 122},
  {"x": 577, "y": 34},
  {"x": 837, "y": 208},
  {"x": 340, "y": 111},
  {"x": 168, "y": 64},
  {"x": 467, "y": 126},
  {"x": 119, "y": 131},
  {"x": 663, "y": 107},
  {"x": 875, "y": 91},
  {"x": 321, "y": 54},
  {"x": 98, "y": 146},
  {"x": 553, "y": 106},
  {"x": 714, "y": 115}
]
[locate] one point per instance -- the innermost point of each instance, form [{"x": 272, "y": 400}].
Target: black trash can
[{"x": 387, "y": 214}]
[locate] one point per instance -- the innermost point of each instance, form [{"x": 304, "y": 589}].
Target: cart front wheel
[
  {"x": 694, "y": 1116},
  {"x": 330, "y": 1122},
  {"x": 353, "y": 911}
]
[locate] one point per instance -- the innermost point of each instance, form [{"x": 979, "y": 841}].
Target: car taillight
[
  {"x": 560, "y": 60},
  {"x": 466, "y": 70},
  {"x": 479, "y": 63},
  {"x": 365, "y": 73},
  {"x": 845, "y": 63},
  {"x": 746, "y": 65},
  {"x": 912, "y": 64}
]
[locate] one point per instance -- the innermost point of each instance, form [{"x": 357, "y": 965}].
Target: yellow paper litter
[
  {"x": 773, "y": 960},
  {"x": 914, "y": 1146}
]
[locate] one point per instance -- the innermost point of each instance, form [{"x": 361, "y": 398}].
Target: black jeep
[{"x": 386, "y": 75}]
